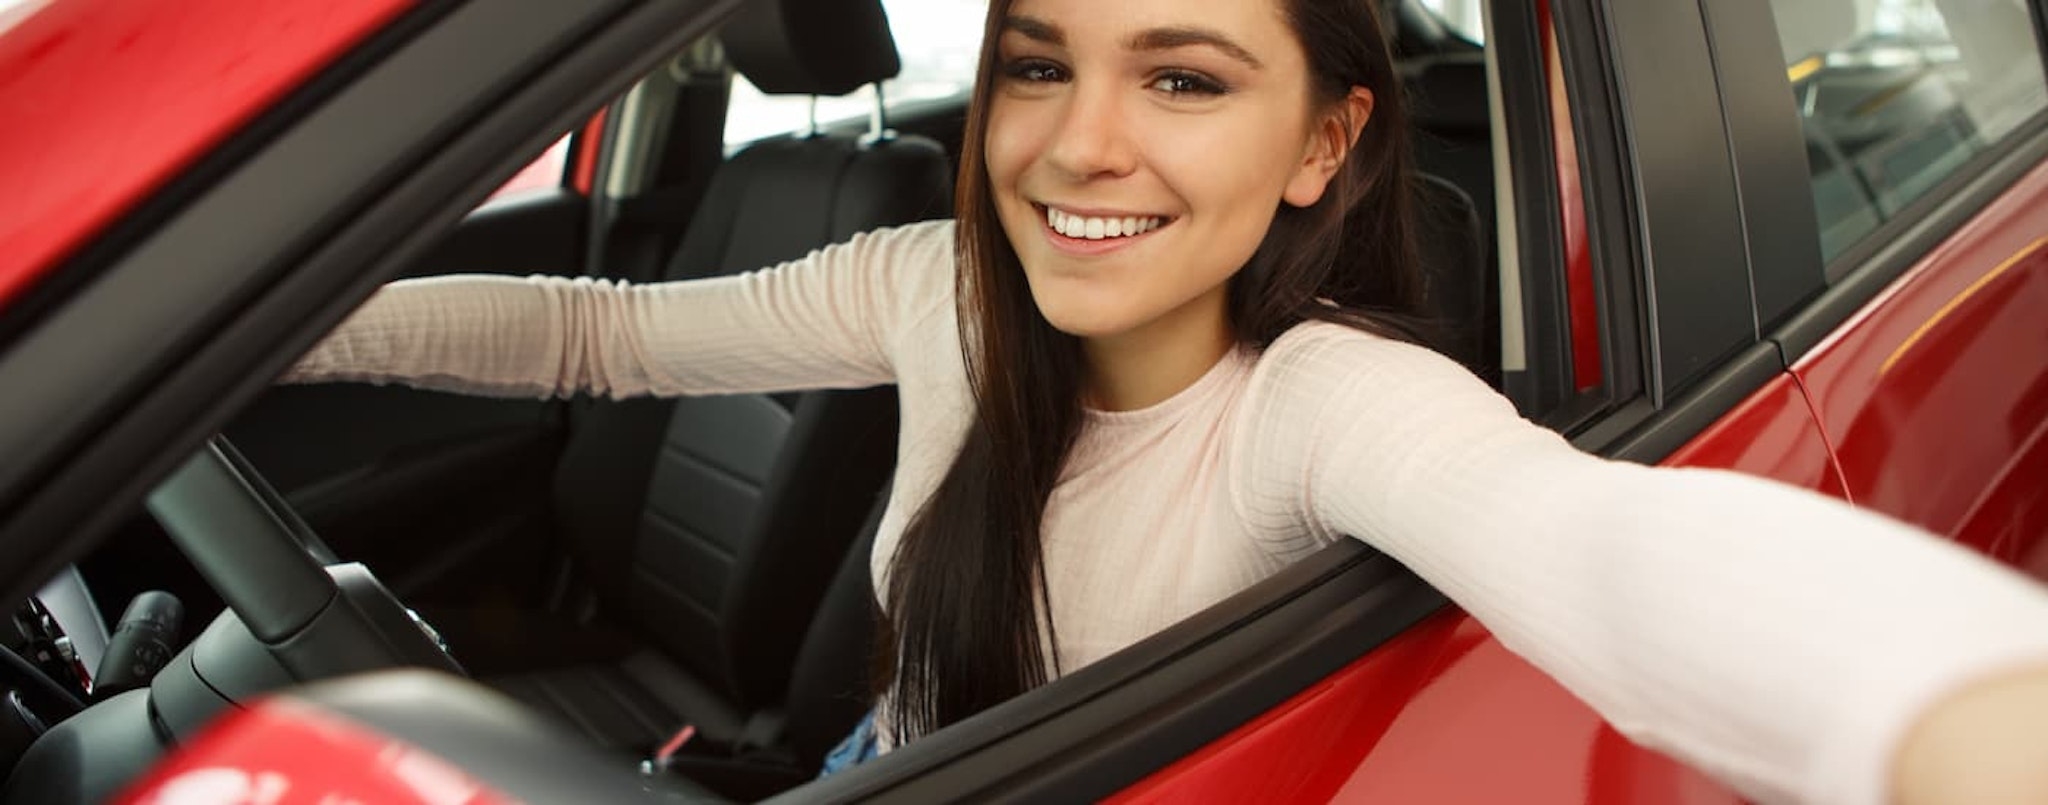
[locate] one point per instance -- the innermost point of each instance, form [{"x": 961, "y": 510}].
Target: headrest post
[
  {"x": 811, "y": 120},
  {"x": 878, "y": 120}
]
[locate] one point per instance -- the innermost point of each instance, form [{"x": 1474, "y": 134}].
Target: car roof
[{"x": 104, "y": 101}]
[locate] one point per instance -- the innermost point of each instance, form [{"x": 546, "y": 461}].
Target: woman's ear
[{"x": 1328, "y": 144}]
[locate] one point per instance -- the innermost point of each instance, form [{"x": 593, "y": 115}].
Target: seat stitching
[
  {"x": 681, "y": 453},
  {"x": 676, "y": 592},
  {"x": 669, "y": 521}
]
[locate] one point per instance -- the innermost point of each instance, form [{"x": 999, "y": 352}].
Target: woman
[{"x": 1162, "y": 353}]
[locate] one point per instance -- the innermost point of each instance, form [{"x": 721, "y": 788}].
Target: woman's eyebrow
[
  {"x": 1180, "y": 37},
  {"x": 1039, "y": 30},
  {"x": 1035, "y": 29}
]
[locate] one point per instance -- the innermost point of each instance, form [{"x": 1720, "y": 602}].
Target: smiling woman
[
  {"x": 1169, "y": 346},
  {"x": 1232, "y": 127}
]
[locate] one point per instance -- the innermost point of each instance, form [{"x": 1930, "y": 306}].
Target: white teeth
[{"x": 1075, "y": 226}]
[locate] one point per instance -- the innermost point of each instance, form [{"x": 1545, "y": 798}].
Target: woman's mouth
[{"x": 1096, "y": 232}]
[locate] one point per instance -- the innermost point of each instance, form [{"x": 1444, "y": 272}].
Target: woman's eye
[
  {"x": 1037, "y": 71},
  {"x": 1185, "y": 83}
]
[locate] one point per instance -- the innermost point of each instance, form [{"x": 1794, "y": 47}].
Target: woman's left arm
[{"x": 1793, "y": 646}]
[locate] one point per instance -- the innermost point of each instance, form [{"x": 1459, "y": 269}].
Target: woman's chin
[{"x": 1084, "y": 321}]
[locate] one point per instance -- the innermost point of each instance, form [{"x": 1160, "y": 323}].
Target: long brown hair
[{"x": 968, "y": 621}]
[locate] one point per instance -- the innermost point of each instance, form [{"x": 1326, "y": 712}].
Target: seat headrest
[{"x": 811, "y": 47}]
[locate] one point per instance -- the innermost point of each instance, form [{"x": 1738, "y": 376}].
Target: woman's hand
[{"x": 1986, "y": 744}]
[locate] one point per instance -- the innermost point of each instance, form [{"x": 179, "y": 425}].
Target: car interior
[{"x": 623, "y": 568}]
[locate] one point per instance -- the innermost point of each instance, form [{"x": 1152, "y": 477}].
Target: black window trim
[{"x": 1768, "y": 149}]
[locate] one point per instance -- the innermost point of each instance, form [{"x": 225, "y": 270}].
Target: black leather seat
[
  {"x": 711, "y": 527},
  {"x": 1461, "y": 287}
]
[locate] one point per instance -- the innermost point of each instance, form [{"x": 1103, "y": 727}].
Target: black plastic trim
[
  {"x": 1111, "y": 723},
  {"x": 1767, "y": 147},
  {"x": 1649, "y": 437},
  {"x": 1696, "y": 282},
  {"x": 1872, "y": 265},
  {"x": 286, "y": 245}
]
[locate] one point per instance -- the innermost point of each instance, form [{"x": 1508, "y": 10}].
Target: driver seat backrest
[{"x": 711, "y": 526}]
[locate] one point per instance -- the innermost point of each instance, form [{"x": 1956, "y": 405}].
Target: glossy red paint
[
  {"x": 1936, "y": 394},
  {"x": 587, "y": 147},
  {"x": 1445, "y": 713},
  {"x": 107, "y": 99},
  {"x": 281, "y": 752},
  {"x": 1343, "y": 717},
  {"x": 1772, "y": 434}
]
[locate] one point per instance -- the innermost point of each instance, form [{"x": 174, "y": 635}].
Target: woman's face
[{"x": 1137, "y": 152}]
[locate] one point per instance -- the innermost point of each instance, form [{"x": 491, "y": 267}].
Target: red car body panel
[
  {"x": 108, "y": 99},
  {"x": 585, "y": 175},
  {"x": 1934, "y": 394},
  {"x": 279, "y": 752}
]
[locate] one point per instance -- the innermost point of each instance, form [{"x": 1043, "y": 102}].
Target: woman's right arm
[{"x": 824, "y": 321}]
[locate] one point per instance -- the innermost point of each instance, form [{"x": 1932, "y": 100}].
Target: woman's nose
[{"x": 1093, "y": 138}]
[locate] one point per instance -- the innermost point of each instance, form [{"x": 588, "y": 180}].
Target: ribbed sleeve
[
  {"x": 829, "y": 320},
  {"x": 1778, "y": 639}
]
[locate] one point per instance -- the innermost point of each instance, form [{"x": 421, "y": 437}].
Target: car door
[{"x": 1926, "y": 355}]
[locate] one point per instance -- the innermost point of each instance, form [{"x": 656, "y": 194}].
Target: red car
[{"x": 1796, "y": 238}]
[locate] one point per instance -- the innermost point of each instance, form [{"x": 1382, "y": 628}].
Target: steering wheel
[{"x": 314, "y": 615}]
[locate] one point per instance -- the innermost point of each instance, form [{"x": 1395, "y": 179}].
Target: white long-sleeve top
[{"x": 1776, "y": 639}]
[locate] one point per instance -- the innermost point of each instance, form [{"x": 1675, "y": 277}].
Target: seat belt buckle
[{"x": 666, "y": 753}]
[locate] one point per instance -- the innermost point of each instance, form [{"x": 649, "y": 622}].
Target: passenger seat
[{"x": 710, "y": 527}]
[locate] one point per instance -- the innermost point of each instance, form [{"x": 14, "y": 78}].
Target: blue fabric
[{"x": 856, "y": 747}]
